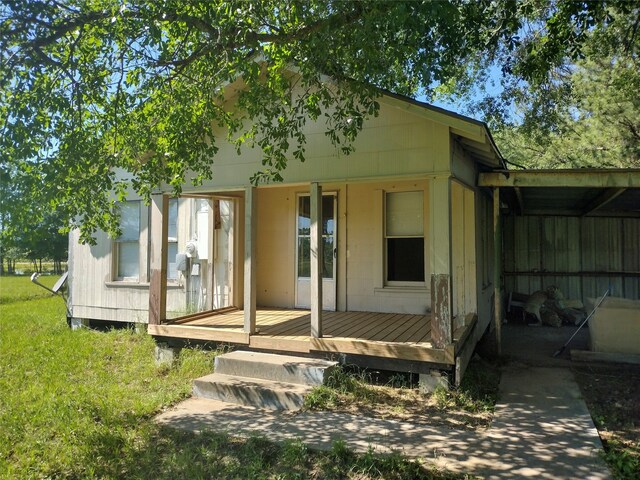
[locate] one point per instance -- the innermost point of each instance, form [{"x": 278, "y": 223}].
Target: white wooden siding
[
  {"x": 396, "y": 143},
  {"x": 94, "y": 292}
]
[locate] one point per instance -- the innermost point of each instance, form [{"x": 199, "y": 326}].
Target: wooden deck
[{"x": 388, "y": 335}]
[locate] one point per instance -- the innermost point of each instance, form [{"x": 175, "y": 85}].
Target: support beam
[
  {"x": 602, "y": 199},
  {"x": 585, "y": 178},
  {"x": 250, "y": 260},
  {"x": 518, "y": 192},
  {"x": 441, "y": 321},
  {"x": 440, "y": 261},
  {"x": 316, "y": 260},
  {"x": 158, "y": 259},
  {"x": 211, "y": 253},
  {"x": 497, "y": 269}
]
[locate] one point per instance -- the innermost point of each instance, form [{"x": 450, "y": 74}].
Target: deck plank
[
  {"x": 199, "y": 333},
  {"x": 380, "y": 349},
  {"x": 366, "y": 323},
  {"x": 386, "y": 331},
  {"x": 287, "y": 325},
  {"x": 402, "y": 330},
  {"x": 420, "y": 331},
  {"x": 374, "y": 324},
  {"x": 284, "y": 344},
  {"x": 343, "y": 321}
]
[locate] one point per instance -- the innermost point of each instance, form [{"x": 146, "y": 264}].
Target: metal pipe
[{"x": 34, "y": 279}]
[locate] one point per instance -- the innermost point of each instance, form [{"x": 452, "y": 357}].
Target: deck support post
[
  {"x": 497, "y": 269},
  {"x": 441, "y": 321},
  {"x": 250, "y": 260},
  {"x": 158, "y": 259},
  {"x": 440, "y": 261},
  {"x": 316, "y": 260}
]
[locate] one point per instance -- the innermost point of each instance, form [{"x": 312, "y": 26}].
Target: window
[
  {"x": 128, "y": 243},
  {"x": 172, "y": 240},
  {"x": 404, "y": 237},
  {"x": 304, "y": 236}
]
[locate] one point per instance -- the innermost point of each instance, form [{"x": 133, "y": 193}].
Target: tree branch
[{"x": 338, "y": 19}]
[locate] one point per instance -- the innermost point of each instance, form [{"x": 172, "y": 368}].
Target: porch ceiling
[{"x": 580, "y": 192}]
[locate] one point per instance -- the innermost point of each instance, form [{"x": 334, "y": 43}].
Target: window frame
[
  {"x": 117, "y": 247},
  {"x": 172, "y": 241},
  {"x": 334, "y": 203},
  {"x": 402, "y": 283}
]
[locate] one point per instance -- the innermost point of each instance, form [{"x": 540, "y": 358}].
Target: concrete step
[
  {"x": 251, "y": 391},
  {"x": 279, "y": 368}
]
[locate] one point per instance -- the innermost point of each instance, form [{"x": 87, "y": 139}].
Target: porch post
[
  {"x": 440, "y": 261},
  {"x": 250, "y": 260},
  {"x": 497, "y": 269},
  {"x": 316, "y": 260},
  {"x": 158, "y": 259}
]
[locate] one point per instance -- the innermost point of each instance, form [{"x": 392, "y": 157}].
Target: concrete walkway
[{"x": 541, "y": 429}]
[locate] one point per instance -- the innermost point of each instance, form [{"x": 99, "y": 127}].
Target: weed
[
  {"x": 294, "y": 452},
  {"x": 478, "y": 391},
  {"x": 321, "y": 398},
  {"x": 623, "y": 460},
  {"x": 400, "y": 380},
  {"x": 342, "y": 386}
]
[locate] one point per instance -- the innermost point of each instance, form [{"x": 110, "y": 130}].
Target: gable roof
[{"x": 474, "y": 136}]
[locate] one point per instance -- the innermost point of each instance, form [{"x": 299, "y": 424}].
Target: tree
[
  {"x": 597, "y": 124},
  {"x": 90, "y": 88},
  {"x": 27, "y": 230},
  {"x": 43, "y": 241},
  {"x": 587, "y": 114}
]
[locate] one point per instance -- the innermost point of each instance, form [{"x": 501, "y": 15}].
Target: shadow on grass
[{"x": 165, "y": 453}]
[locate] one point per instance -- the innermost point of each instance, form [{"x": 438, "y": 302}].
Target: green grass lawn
[
  {"x": 19, "y": 288},
  {"x": 79, "y": 404}
]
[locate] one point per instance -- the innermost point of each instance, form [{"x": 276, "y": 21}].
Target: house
[
  {"x": 404, "y": 231},
  {"x": 388, "y": 257}
]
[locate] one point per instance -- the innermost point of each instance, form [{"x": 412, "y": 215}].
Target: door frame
[
  {"x": 232, "y": 245},
  {"x": 334, "y": 194}
]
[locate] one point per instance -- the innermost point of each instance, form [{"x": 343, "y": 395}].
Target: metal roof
[{"x": 576, "y": 192}]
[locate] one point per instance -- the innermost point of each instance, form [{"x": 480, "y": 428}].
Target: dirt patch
[
  {"x": 469, "y": 407},
  {"x": 410, "y": 404},
  {"x": 612, "y": 394}
]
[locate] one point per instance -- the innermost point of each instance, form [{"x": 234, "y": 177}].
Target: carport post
[{"x": 497, "y": 269}]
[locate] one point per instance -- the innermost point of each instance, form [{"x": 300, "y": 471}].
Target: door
[
  {"x": 223, "y": 253},
  {"x": 303, "y": 254}
]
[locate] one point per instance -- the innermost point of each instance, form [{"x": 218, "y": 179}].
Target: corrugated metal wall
[{"x": 582, "y": 256}]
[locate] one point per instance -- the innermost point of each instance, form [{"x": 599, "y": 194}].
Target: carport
[{"x": 578, "y": 229}]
